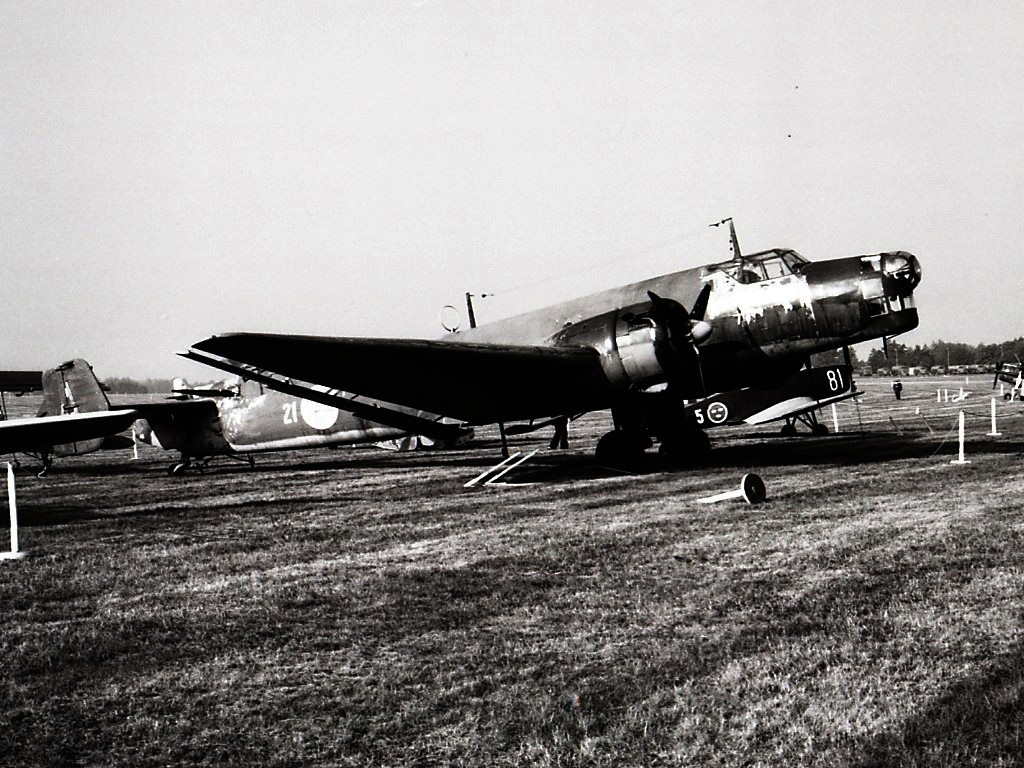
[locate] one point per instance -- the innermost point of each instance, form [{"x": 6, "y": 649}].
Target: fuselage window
[{"x": 876, "y": 307}]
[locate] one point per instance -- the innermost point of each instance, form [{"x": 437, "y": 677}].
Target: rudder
[{"x": 72, "y": 387}]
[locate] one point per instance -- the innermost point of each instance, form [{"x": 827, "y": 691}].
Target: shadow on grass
[{"x": 978, "y": 722}]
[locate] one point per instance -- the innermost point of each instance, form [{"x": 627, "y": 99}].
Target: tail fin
[{"x": 73, "y": 388}]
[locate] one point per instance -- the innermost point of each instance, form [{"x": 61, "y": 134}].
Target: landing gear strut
[{"x": 810, "y": 419}]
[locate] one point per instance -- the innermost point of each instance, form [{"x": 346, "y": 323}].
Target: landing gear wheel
[
  {"x": 788, "y": 430},
  {"x": 818, "y": 430},
  {"x": 622, "y": 449}
]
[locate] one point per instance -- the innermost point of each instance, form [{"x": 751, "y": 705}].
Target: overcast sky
[{"x": 172, "y": 170}]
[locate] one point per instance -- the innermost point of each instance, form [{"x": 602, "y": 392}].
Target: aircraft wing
[
  {"x": 475, "y": 383},
  {"x": 21, "y": 381},
  {"x": 32, "y": 434}
]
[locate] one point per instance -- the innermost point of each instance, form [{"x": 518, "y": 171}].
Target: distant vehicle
[
  {"x": 666, "y": 372},
  {"x": 239, "y": 418}
]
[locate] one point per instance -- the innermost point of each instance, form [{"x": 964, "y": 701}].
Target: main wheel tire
[
  {"x": 818, "y": 430},
  {"x": 622, "y": 449},
  {"x": 788, "y": 430}
]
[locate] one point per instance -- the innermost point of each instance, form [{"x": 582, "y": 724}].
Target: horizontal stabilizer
[{"x": 43, "y": 432}]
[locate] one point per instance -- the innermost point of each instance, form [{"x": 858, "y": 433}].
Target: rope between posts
[{"x": 954, "y": 428}]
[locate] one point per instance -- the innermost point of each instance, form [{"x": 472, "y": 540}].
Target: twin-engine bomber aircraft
[{"x": 666, "y": 372}]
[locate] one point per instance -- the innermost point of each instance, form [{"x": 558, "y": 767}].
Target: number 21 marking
[{"x": 291, "y": 412}]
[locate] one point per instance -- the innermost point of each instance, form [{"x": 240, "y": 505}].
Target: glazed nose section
[{"x": 901, "y": 273}]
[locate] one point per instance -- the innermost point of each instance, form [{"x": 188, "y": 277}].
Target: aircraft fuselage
[{"x": 767, "y": 312}]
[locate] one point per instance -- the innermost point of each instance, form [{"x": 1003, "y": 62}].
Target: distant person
[
  {"x": 897, "y": 388},
  {"x": 561, "y": 436}
]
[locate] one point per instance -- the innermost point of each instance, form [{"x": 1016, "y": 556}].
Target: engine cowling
[{"x": 644, "y": 346}]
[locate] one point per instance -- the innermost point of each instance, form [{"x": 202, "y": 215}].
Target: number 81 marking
[{"x": 835, "y": 379}]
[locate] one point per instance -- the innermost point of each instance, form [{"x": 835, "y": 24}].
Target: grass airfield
[{"x": 358, "y": 607}]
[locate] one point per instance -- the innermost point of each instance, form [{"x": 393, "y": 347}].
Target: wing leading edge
[{"x": 475, "y": 383}]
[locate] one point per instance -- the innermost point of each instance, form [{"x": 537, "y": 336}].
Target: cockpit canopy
[{"x": 755, "y": 267}]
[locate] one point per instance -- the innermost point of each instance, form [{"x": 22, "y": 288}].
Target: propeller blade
[{"x": 700, "y": 306}]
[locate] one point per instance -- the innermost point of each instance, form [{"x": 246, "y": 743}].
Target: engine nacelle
[{"x": 636, "y": 351}]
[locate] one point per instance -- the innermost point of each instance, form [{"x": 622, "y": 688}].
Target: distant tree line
[
  {"x": 942, "y": 354},
  {"x": 120, "y": 385}
]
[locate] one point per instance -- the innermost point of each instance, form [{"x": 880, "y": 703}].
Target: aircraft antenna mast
[
  {"x": 469, "y": 306},
  {"x": 737, "y": 255}
]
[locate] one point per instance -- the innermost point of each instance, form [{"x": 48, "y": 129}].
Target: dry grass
[{"x": 362, "y": 608}]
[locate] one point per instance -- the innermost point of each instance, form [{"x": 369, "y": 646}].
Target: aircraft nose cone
[{"x": 903, "y": 270}]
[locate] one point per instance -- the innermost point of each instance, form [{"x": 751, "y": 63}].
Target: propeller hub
[{"x": 700, "y": 330}]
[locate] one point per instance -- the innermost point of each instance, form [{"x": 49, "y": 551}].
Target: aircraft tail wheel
[{"x": 177, "y": 470}]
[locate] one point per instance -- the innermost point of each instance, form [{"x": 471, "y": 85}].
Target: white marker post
[
  {"x": 135, "y": 445},
  {"x": 15, "y": 553},
  {"x": 938, "y": 395},
  {"x": 751, "y": 490},
  {"x": 961, "y": 460},
  {"x": 835, "y": 418},
  {"x": 994, "y": 432}
]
